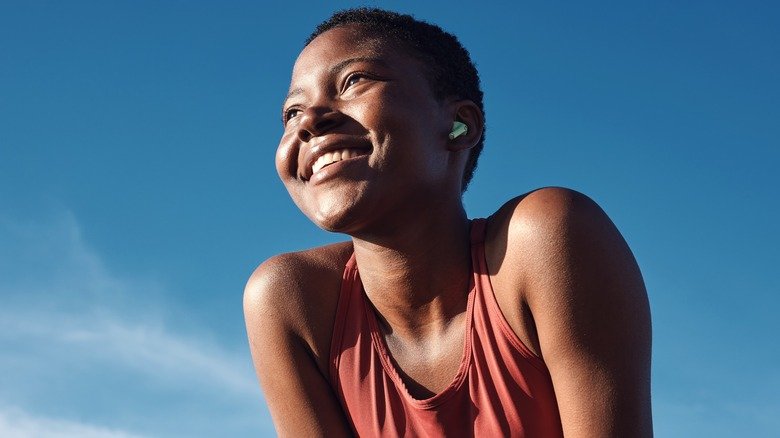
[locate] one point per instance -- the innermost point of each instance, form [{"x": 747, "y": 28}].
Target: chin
[
  {"x": 333, "y": 226},
  {"x": 337, "y": 215}
]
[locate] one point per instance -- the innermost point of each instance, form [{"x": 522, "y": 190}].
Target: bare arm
[
  {"x": 280, "y": 327},
  {"x": 591, "y": 313}
]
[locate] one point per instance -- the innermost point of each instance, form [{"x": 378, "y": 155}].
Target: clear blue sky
[{"x": 137, "y": 193}]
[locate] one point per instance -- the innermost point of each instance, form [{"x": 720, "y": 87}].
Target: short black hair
[{"x": 451, "y": 72}]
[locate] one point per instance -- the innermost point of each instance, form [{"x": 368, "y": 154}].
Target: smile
[{"x": 329, "y": 158}]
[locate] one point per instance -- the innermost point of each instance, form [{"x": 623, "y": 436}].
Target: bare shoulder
[
  {"x": 299, "y": 291},
  {"x": 289, "y": 307},
  {"x": 545, "y": 213},
  {"x": 549, "y": 226},
  {"x": 554, "y": 253}
]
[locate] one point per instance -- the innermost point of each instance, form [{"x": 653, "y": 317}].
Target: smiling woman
[{"x": 532, "y": 322}]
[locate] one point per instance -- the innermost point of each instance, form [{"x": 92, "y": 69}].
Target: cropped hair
[{"x": 450, "y": 71}]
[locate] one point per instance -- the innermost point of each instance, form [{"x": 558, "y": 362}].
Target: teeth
[{"x": 332, "y": 157}]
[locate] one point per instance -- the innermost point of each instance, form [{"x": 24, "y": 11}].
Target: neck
[{"x": 417, "y": 276}]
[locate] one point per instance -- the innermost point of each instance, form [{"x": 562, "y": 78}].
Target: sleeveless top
[{"x": 501, "y": 387}]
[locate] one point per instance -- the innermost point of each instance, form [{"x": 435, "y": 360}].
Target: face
[{"x": 364, "y": 137}]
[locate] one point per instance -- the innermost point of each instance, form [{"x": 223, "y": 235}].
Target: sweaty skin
[{"x": 365, "y": 151}]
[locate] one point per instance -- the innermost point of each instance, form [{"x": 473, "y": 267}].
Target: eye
[
  {"x": 291, "y": 113},
  {"x": 353, "y": 79}
]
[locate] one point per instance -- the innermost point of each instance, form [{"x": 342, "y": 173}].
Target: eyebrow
[{"x": 336, "y": 69}]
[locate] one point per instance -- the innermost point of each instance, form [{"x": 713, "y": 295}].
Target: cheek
[
  {"x": 286, "y": 158},
  {"x": 280, "y": 164},
  {"x": 407, "y": 116}
]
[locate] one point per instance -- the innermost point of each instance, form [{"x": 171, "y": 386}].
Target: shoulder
[
  {"x": 528, "y": 242},
  {"x": 557, "y": 254},
  {"x": 548, "y": 227},
  {"x": 289, "y": 308},
  {"x": 544, "y": 228},
  {"x": 301, "y": 272},
  {"x": 298, "y": 293},
  {"x": 546, "y": 212},
  {"x": 557, "y": 236}
]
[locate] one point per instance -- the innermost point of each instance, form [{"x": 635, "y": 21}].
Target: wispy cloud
[
  {"x": 15, "y": 423},
  {"x": 80, "y": 343},
  {"x": 142, "y": 346}
]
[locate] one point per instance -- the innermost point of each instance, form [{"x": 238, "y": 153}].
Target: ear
[{"x": 466, "y": 112}]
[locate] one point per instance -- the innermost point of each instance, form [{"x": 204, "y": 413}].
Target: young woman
[{"x": 533, "y": 322}]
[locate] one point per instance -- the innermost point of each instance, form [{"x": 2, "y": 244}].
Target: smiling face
[{"x": 364, "y": 137}]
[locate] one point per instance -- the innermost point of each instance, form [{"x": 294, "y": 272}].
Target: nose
[{"x": 316, "y": 121}]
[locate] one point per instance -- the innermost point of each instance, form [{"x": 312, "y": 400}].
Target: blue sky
[{"x": 137, "y": 193}]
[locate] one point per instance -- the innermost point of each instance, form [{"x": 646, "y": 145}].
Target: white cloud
[
  {"x": 15, "y": 423},
  {"x": 145, "y": 347},
  {"x": 79, "y": 342}
]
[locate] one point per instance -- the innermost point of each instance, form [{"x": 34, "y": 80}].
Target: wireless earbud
[{"x": 458, "y": 129}]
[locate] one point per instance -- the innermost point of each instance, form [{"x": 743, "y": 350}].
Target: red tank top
[{"x": 500, "y": 389}]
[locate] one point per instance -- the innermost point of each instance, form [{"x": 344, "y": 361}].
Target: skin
[{"x": 563, "y": 276}]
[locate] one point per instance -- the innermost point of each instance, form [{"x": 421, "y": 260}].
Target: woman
[{"x": 533, "y": 322}]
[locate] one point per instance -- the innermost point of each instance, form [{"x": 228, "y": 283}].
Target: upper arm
[
  {"x": 298, "y": 395},
  {"x": 589, "y": 304}
]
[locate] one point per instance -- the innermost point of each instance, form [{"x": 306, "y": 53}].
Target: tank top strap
[
  {"x": 349, "y": 298},
  {"x": 478, "y": 230}
]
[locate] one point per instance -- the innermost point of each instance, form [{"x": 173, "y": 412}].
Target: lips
[{"x": 327, "y": 152}]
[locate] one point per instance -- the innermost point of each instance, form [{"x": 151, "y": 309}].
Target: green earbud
[{"x": 458, "y": 129}]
